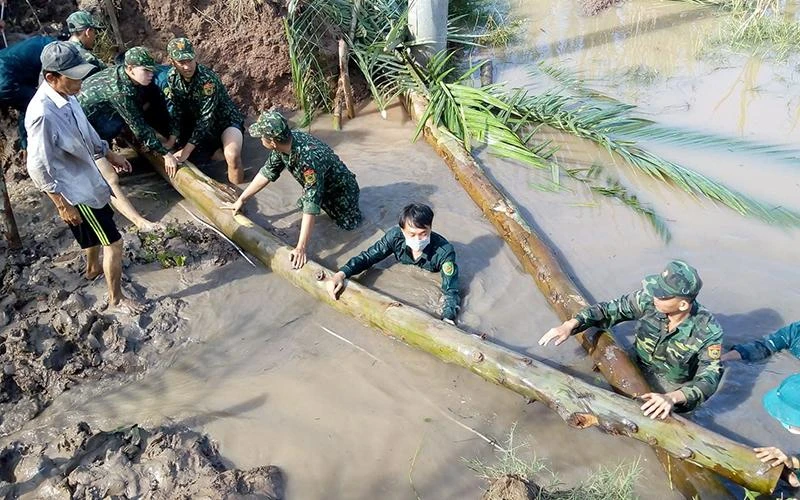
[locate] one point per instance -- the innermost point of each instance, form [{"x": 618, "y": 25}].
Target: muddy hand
[
  {"x": 773, "y": 456},
  {"x": 235, "y": 206},
  {"x": 119, "y": 162},
  {"x": 298, "y": 258},
  {"x": 656, "y": 405},
  {"x": 70, "y": 215},
  {"x": 170, "y": 165},
  {"x": 335, "y": 285}
]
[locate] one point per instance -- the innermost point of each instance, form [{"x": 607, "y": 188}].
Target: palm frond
[
  {"x": 599, "y": 124},
  {"x": 695, "y": 138}
]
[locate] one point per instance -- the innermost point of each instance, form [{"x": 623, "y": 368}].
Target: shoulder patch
[
  {"x": 714, "y": 351},
  {"x": 208, "y": 88},
  {"x": 310, "y": 176},
  {"x": 448, "y": 268}
]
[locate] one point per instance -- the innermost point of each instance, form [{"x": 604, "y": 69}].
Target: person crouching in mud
[
  {"x": 412, "y": 242},
  {"x": 783, "y": 404},
  {"x": 327, "y": 183}
]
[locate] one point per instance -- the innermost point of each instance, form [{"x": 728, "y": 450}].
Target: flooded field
[{"x": 276, "y": 378}]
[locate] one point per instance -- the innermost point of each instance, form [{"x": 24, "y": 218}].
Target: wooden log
[
  {"x": 344, "y": 75},
  {"x": 111, "y": 12},
  {"x": 8, "y": 224},
  {"x": 566, "y": 299},
  {"x": 344, "y": 93},
  {"x": 580, "y": 404}
]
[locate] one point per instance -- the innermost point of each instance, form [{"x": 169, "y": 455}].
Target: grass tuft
[{"x": 606, "y": 483}]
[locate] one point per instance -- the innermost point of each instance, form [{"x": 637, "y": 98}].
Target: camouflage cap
[
  {"x": 272, "y": 125},
  {"x": 783, "y": 402},
  {"x": 180, "y": 49},
  {"x": 138, "y": 56},
  {"x": 679, "y": 279},
  {"x": 81, "y": 20}
]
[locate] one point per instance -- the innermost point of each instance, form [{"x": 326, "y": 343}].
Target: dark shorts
[
  {"x": 97, "y": 227},
  {"x": 203, "y": 152}
]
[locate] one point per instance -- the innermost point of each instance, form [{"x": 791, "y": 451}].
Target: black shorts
[{"x": 97, "y": 227}]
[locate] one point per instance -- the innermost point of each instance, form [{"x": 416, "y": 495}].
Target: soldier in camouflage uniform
[
  {"x": 83, "y": 34},
  {"x": 412, "y": 242},
  {"x": 787, "y": 337},
  {"x": 203, "y": 116},
  {"x": 678, "y": 341},
  {"x": 113, "y": 99},
  {"x": 327, "y": 183}
]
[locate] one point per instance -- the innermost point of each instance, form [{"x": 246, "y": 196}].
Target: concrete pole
[{"x": 427, "y": 21}]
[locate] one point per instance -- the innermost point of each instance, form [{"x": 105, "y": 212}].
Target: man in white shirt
[{"x": 62, "y": 148}]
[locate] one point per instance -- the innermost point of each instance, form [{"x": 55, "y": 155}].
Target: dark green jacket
[
  {"x": 111, "y": 92},
  {"x": 689, "y": 355},
  {"x": 316, "y": 167},
  {"x": 787, "y": 337},
  {"x": 438, "y": 256},
  {"x": 203, "y": 101}
]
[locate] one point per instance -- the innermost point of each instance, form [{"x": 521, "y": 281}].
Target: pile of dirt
[
  {"x": 37, "y": 16},
  {"x": 131, "y": 462},
  {"x": 243, "y": 41},
  {"x": 512, "y": 487}
]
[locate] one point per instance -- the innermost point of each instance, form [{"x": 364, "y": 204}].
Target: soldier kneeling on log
[
  {"x": 327, "y": 183},
  {"x": 677, "y": 340}
]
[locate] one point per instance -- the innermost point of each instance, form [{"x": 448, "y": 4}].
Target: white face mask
[
  {"x": 793, "y": 429},
  {"x": 418, "y": 245}
]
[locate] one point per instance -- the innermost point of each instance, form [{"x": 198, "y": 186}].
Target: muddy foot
[
  {"x": 127, "y": 306},
  {"x": 93, "y": 275}
]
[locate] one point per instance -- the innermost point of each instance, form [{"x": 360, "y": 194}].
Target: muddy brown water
[{"x": 277, "y": 378}]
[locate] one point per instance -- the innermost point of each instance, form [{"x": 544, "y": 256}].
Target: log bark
[
  {"x": 344, "y": 92},
  {"x": 580, "y": 404},
  {"x": 344, "y": 75},
  {"x": 111, "y": 12},
  {"x": 566, "y": 299},
  {"x": 8, "y": 224}
]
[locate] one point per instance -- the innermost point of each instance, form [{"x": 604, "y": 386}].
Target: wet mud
[{"x": 130, "y": 462}]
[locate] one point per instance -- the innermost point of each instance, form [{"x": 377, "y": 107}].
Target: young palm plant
[{"x": 503, "y": 120}]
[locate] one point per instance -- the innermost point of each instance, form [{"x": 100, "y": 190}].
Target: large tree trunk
[
  {"x": 580, "y": 404},
  {"x": 564, "y": 296}
]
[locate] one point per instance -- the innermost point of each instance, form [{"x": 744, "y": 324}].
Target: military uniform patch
[
  {"x": 309, "y": 176},
  {"x": 714, "y": 351},
  {"x": 448, "y": 268},
  {"x": 208, "y": 88}
]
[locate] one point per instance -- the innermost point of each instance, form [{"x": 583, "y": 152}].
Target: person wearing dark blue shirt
[{"x": 20, "y": 68}]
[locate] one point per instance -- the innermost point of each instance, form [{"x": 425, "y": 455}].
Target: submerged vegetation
[
  {"x": 615, "y": 483},
  {"x": 506, "y": 121},
  {"x": 754, "y": 27}
]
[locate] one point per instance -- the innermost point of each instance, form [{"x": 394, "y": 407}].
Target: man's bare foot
[
  {"x": 127, "y": 306},
  {"x": 147, "y": 226},
  {"x": 92, "y": 274}
]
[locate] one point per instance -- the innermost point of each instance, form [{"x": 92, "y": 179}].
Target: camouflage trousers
[{"x": 342, "y": 204}]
